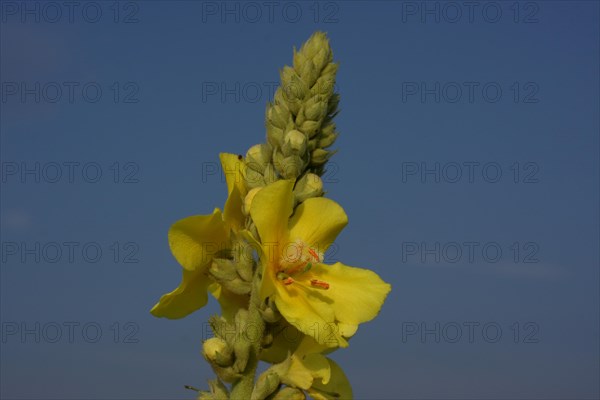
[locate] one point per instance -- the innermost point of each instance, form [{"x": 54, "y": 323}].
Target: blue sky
[{"x": 467, "y": 163}]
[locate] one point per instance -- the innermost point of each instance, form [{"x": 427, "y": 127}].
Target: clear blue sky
[{"x": 468, "y": 166}]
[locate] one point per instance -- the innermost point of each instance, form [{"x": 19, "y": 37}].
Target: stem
[{"x": 242, "y": 389}]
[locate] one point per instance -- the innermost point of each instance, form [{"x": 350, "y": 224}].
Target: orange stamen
[
  {"x": 320, "y": 284},
  {"x": 288, "y": 281},
  {"x": 314, "y": 254}
]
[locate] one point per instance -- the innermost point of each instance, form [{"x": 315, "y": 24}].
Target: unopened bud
[
  {"x": 269, "y": 312},
  {"x": 225, "y": 272},
  {"x": 294, "y": 143},
  {"x": 270, "y": 175},
  {"x": 319, "y": 157},
  {"x": 309, "y": 73},
  {"x": 223, "y": 269},
  {"x": 310, "y": 127},
  {"x": 310, "y": 185},
  {"x": 278, "y": 115},
  {"x": 217, "y": 351},
  {"x": 245, "y": 264},
  {"x": 290, "y": 167},
  {"x": 326, "y": 141},
  {"x": 242, "y": 354},
  {"x": 237, "y": 286},
  {"x": 266, "y": 384},
  {"x": 258, "y": 156},
  {"x": 315, "y": 108},
  {"x": 274, "y": 135}
]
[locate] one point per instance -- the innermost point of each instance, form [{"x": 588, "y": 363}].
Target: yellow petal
[
  {"x": 305, "y": 369},
  {"x": 270, "y": 210},
  {"x": 355, "y": 294},
  {"x": 347, "y": 330},
  {"x": 318, "y": 221},
  {"x": 297, "y": 375},
  {"x": 307, "y": 364},
  {"x": 233, "y": 169},
  {"x": 338, "y": 387},
  {"x": 309, "y": 345},
  {"x": 195, "y": 240},
  {"x": 187, "y": 298},
  {"x": 310, "y": 312},
  {"x": 236, "y": 190},
  {"x": 318, "y": 366}
]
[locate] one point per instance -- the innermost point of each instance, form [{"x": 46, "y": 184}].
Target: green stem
[{"x": 242, "y": 389}]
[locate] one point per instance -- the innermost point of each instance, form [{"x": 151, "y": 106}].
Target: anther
[
  {"x": 288, "y": 281},
  {"x": 319, "y": 284},
  {"x": 314, "y": 254}
]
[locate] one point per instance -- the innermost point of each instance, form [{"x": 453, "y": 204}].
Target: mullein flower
[
  {"x": 194, "y": 242},
  {"x": 307, "y": 369},
  {"x": 327, "y": 302},
  {"x": 290, "y": 308}
]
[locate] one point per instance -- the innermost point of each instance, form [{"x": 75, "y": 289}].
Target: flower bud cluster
[{"x": 299, "y": 124}]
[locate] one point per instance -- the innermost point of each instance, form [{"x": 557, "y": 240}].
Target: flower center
[{"x": 297, "y": 258}]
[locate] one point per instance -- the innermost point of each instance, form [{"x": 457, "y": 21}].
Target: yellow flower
[
  {"x": 311, "y": 371},
  {"x": 326, "y": 302},
  {"x": 195, "y": 240},
  {"x": 337, "y": 388}
]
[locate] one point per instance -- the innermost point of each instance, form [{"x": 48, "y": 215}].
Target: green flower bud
[
  {"x": 334, "y": 101},
  {"x": 270, "y": 174},
  {"x": 299, "y": 59},
  {"x": 330, "y": 70},
  {"x": 266, "y": 384},
  {"x": 324, "y": 86},
  {"x": 294, "y": 143},
  {"x": 310, "y": 185},
  {"x": 270, "y": 316},
  {"x": 278, "y": 115},
  {"x": 327, "y": 140},
  {"x": 237, "y": 286},
  {"x": 311, "y": 128},
  {"x": 269, "y": 312},
  {"x": 217, "y": 351},
  {"x": 280, "y": 98},
  {"x": 294, "y": 91},
  {"x": 290, "y": 167},
  {"x": 222, "y": 269},
  {"x": 315, "y": 108},
  {"x": 328, "y": 129},
  {"x": 225, "y": 272},
  {"x": 288, "y": 76},
  {"x": 258, "y": 157},
  {"x": 319, "y": 157},
  {"x": 274, "y": 135},
  {"x": 242, "y": 353},
  {"x": 244, "y": 264},
  {"x": 322, "y": 58},
  {"x": 253, "y": 178},
  {"x": 309, "y": 73},
  {"x": 317, "y": 49}
]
